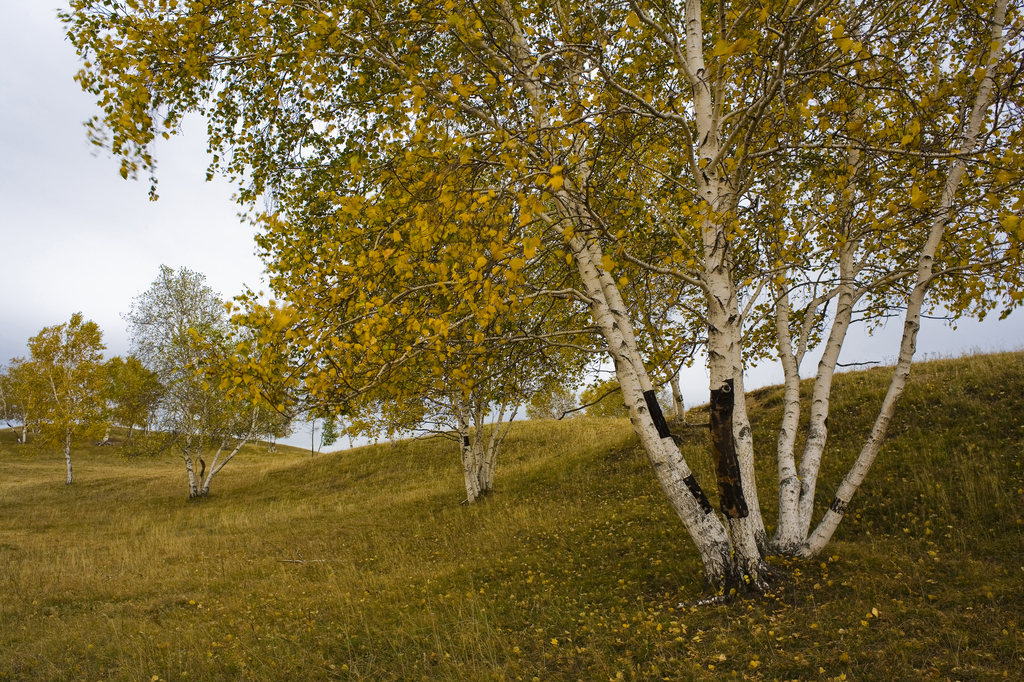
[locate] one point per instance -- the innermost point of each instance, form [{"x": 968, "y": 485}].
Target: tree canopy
[
  {"x": 766, "y": 171},
  {"x": 64, "y": 382}
]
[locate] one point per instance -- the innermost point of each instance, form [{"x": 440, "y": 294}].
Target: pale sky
[{"x": 74, "y": 236}]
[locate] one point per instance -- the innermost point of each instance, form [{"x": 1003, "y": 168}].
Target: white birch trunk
[
  {"x": 912, "y": 323},
  {"x": 489, "y": 459},
  {"x": 469, "y": 471},
  {"x": 671, "y": 470},
  {"x": 787, "y": 538},
  {"x": 479, "y": 453},
  {"x": 817, "y": 430},
  {"x": 797, "y": 488},
  {"x": 678, "y": 409},
  {"x": 67, "y": 457},
  {"x": 488, "y": 455},
  {"x": 193, "y": 483},
  {"x": 214, "y": 467}
]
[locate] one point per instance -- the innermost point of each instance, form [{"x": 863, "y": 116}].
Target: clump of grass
[{"x": 362, "y": 564}]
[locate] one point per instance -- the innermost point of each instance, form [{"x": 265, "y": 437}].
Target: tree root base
[{"x": 741, "y": 586}]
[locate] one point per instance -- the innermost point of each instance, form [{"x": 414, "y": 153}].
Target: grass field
[{"x": 362, "y": 565}]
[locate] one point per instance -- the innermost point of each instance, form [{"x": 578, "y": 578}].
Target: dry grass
[{"x": 362, "y": 565}]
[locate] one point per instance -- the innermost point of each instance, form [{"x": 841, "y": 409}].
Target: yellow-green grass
[{"x": 363, "y": 565}]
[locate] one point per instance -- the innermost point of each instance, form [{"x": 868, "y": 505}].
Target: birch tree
[
  {"x": 67, "y": 384},
  {"x": 19, "y": 396},
  {"x": 133, "y": 394},
  {"x": 551, "y": 401},
  {"x": 179, "y": 330},
  {"x": 431, "y": 167}
]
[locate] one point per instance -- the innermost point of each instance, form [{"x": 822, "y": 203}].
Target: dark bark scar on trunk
[{"x": 723, "y": 448}]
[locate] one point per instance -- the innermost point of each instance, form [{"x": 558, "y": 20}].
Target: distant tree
[
  {"x": 66, "y": 383},
  {"x": 604, "y": 399},
  {"x": 551, "y": 401},
  {"x": 13, "y": 407},
  {"x": 179, "y": 332},
  {"x": 133, "y": 394},
  {"x": 328, "y": 425},
  {"x": 330, "y": 433},
  {"x": 26, "y": 396},
  {"x": 476, "y": 415}
]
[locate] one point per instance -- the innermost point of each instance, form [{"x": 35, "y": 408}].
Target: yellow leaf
[
  {"x": 917, "y": 197},
  {"x": 556, "y": 182},
  {"x": 632, "y": 20}
]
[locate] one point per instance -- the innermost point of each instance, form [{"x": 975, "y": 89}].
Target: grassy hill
[{"x": 362, "y": 564}]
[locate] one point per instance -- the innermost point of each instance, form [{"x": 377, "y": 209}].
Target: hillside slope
[{"x": 362, "y": 564}]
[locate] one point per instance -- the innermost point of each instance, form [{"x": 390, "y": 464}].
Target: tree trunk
[
  {"x": 797, "y": 486},
  {"x": 67, "y": 456},
  {"x": 215, "y": 467},
  {"x": 817, "y": 429},
  {"x": 469, "y": 467},
  {"x": 678, "y": 409},
  {"x": 787, "y": 538},
  {"x": 722, "y": 565},
  {"x": 725, "y": 323},
  {"x": 193, "y": 482}
]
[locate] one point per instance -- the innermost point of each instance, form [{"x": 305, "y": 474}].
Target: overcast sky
[{"x": 74, "y": 236}]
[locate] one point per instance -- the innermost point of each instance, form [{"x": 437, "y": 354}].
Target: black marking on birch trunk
[
  {"x": 465, "y": 441},
  {"x": 723, "y": 448},
  {"x": 838, "y": 506},
  {"x": 698, "y": 493},
  {"x": 656, "y": 414}
]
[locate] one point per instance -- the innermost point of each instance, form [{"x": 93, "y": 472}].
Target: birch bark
[
  {"x": 193, "y": 482},
  {"x": 787, "y": 538},
  {"x": 678, "y": 408},
  {"x": 469, "y": 468},
  {"x": 67, "y": 456}
]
